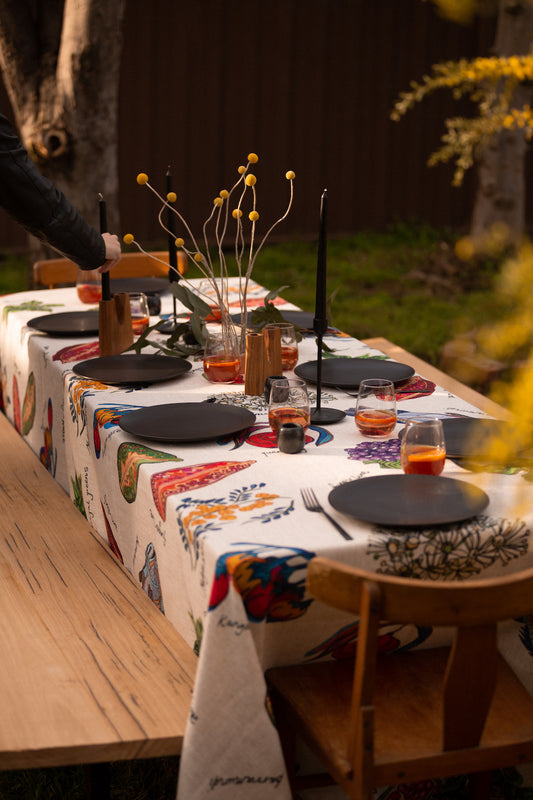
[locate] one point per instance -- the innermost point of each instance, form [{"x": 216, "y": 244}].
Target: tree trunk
[
  {"x": 61, "y": 66},
  {"x": 501, "y": 193}
]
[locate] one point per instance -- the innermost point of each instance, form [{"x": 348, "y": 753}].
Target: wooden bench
[
  {"x": 437, "y": 376},
  {"x": 91, "y": 671}
]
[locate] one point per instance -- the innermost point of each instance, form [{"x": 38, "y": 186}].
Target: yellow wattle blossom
[
  {"x": 142, "y": 178},
  {"x": 179, "y": 242},
  {"x": 241, "y": 170},
  {"x": 464, "y": 248},
  {"x": 253, "y": 158},
  {"x": 253, "y": 216},
  {"x": 218, "y": 201},
  {"x": 250, "y": 180},
  {"x": 128, "y": 238},
  {"x": 236, "y": 213},
  {"x": 172, "y": 197},
  {"x": 290, "y": 175},
  {"x": 198, "y": 257},
  {"x": 224, "y": 194}
]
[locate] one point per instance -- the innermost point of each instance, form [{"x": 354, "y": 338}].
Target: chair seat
[{"x": 318, "y": 697}]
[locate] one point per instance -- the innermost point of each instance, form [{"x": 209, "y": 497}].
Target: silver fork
[{"x": 311, "y": 503}]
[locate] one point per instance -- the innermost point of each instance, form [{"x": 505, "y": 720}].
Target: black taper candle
[
  {"x": 173, "y": 274},
  {"x": 106, "y": 288},
  {"x": 320, "y": 322}
]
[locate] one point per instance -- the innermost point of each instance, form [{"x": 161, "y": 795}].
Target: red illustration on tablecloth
[
  {"x": 270, "y": 580},
  {"x": 184, "y": 479},
  {"x": 149, "y": 577},
  {"x": 343, "y": 643},
  {"x": 77, "y": 352},
  {"x": 413, "y": 388},
  {"x": 107, "y": 417},
  {"x": 47, "y": 454},
  {"x": 130, "y": 457},
  {"x": 111, "y": 538},
  {"x": 261, "y": 435}
]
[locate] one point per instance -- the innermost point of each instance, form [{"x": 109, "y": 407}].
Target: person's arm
[{"x": 44, "y": 211}]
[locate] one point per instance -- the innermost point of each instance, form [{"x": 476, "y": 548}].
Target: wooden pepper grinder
[
  {"x": 115, "y": 333},
  {"x": 255, "y": 369}
]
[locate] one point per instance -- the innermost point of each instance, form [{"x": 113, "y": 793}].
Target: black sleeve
[{"x": 41, "y": 208}]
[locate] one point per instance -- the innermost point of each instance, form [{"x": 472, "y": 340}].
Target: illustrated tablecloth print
[{"x": 217, "y": 534}]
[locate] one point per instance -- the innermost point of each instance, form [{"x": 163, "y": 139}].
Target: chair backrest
[
  {"x": 472, "y": 608},
  {"x": 54, "y": 271}
]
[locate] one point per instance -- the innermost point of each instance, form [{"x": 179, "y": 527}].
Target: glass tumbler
[
  {"x": 288, "y": 402},
  {"x": 423, "y": 450},
  {"x": 222, "y": 357},
  {"x": 375, "y": 411},
  {"x": 89, "y": 286},
  {"x": 289, "y": 344},
  {"x": 140, "y": 315}
]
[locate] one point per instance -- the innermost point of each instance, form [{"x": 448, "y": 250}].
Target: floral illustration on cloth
[
  {"x": 385, "y": 453},
  {"x": 197, "y": 516},
  {"x": 130, "y": 458},
  {"x": 149, "y": 577},
  {"x": 455, "y": 551},
  {"x": 113, "y": 544},
  {"x": 29, "y": 305},
  {"x": 184, "y": 479},
  {"x": 79, "y": 390},
  {"x": 270, "y": 580}
]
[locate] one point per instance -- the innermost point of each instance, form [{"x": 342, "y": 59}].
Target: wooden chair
[
  {"x": 389, "y": 719},
  {"x": 54, "y": 271}
]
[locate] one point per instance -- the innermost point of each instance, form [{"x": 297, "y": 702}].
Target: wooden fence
[{"x": 309, "y": 86}]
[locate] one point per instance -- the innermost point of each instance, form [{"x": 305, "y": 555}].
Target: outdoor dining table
[{"x": 217, "y": 534}]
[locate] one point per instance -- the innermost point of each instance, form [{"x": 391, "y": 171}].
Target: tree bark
[
  {"x": 61, "y": 65},
  {"x": 501, "y": 192}
]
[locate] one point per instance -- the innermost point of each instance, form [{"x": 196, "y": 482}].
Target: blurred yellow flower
[
  {"x": 253, "y": 158},
  {"x": 179, "y": 242},
  {"x": 236, "y": 213},
  {"x": 224, "y": 193},
  {"x": 172, "y": 197},
  {"x": 218, "y": 201},
  {"x": 253, "y": 216},
  {"x": 250, "y": 180},
  {"x": 142, "y": 178},
  {"x": 290, "y": 175},
  {"x": 128, "y": 238}
]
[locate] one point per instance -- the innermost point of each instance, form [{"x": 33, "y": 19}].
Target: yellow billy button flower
[
  {"x": 253, "y": 216},
  {"x": 198, "y": 257},
  {"x": 464, "y": 248},
  {"x": 172, "y": 197},
  {"x": 250, "y": 180},
  {"x": 218, "y": 201},
  {"x": 236, "y": 213},
  {"x": 128, "y": 238},
  {"x": 253, "y": 158},
  {"x": 241, "y": 170},
  {"x": 142, "y": 178},
  {"x": 290, "y": 175},
  {"x": 179, "y": 242},
  {"x": 224, "y": 193}
]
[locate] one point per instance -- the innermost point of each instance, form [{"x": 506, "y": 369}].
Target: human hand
[{"x": 112, "y": 251}]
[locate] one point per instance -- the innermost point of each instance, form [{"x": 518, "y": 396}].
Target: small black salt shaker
[
  {"x": 291, "y": 437},
  {"x": 268, "y": 384}
]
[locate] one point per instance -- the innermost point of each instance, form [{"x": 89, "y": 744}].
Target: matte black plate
[
  {"x": 470, "y": 438},
  {"x": 67, "y": 323},
  {"x": 347, "y": 373},
  {"x": 132, "y": 368},
  {"x": 409, "y": 500},
  {"x": 186, "y": 422},
  {"x": 303, "y": 319},
  {"x": 148, "y": 285}
]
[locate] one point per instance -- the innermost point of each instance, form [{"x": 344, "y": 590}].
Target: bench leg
[{"x": 98, "y": 781}]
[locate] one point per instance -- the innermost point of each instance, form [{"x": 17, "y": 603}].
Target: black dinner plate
[
  {"x": 303, "y": 319},
  {"x": 147, "y": 285},
  {"x": 132, "y": 368},
  {"x": 409, "y": 500},
  {"x": 186, "y": 422},
  {"x": 470, "y": 437},
  {"x": 347, "y": 373},
  {"x": 67, "y": 323}
]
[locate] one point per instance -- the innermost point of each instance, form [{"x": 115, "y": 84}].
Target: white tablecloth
[{"x": 218, "y": 536}]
